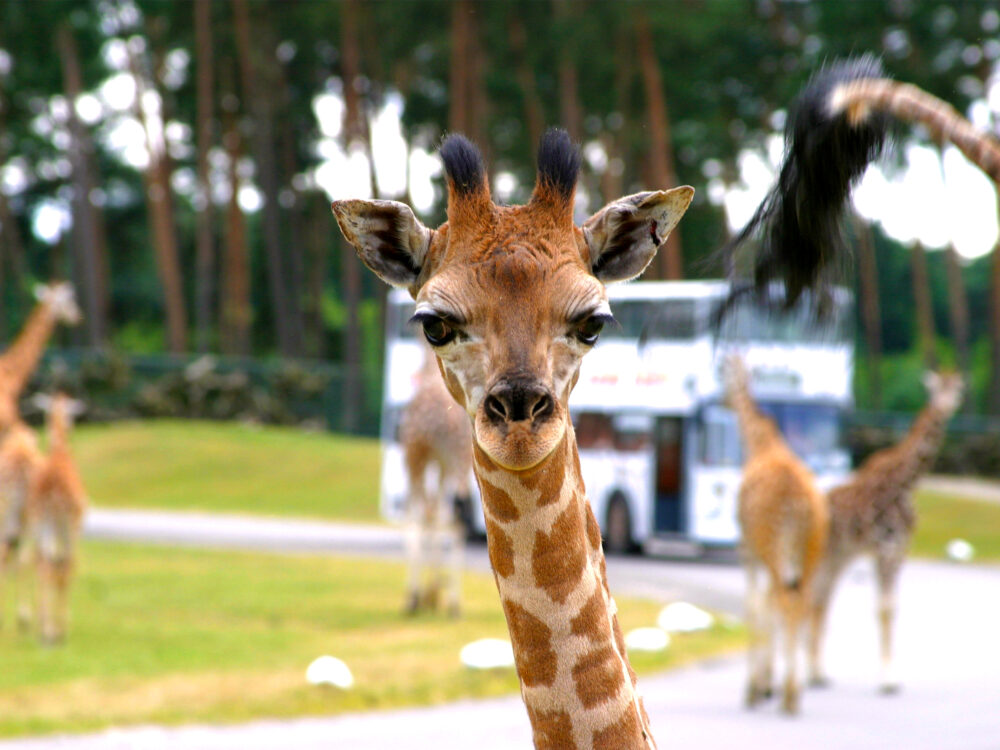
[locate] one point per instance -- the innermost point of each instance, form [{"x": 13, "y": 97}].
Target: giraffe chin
[{"x": 518, "y": 447}]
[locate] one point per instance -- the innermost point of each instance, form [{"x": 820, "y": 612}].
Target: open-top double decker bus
[{"x": 661, "y": 455}]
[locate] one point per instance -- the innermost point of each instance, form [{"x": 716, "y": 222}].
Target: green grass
[
  {"x": 941, "y": 518},
  {"x": 213, "y": 466},
  {"x": 168, "y": 636}
]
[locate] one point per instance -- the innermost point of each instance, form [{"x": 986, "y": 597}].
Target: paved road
[{"x": 949, "y": 658}]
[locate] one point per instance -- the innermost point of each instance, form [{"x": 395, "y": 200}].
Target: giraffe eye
[
  {"x": 437, "y": 331},
  {"x": 588, "y": 329}
]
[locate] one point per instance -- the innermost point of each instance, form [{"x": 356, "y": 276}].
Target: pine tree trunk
[
  {"x": 958, "y": 309},
  {"x": 669, "y": 260},
  {"x": 234, "y": 286},
  {"x": 256, "y": 72},
  {"x": 158, "y": 207},
  {"x": 355, "y": 132},
  {"x": 925, "y": 312},
  {"x": 993, "y": 397},
  {"x": 871, "y": 317},
  {"x": 204, "y": 230},
  {"x": 89, "y": 239},
  {"x": 534, "y": 115}
]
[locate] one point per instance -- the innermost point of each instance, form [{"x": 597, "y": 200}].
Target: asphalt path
[{"x": 948, "y": 645}]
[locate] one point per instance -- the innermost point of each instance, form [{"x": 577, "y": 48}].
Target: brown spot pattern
[
  {"x": 559, "y": 558},
  {"x": 598, "y": 676},
  {"x": 532, "y": 639},
  {"x": 593, "y": 529},
  {"x": 501, "y": 549},
  {"x": 621, "y": 734},
  {"x": 499, "y": 503},
  {"x": 552, "y": 730},
  {"x": 590, "y": 615}
]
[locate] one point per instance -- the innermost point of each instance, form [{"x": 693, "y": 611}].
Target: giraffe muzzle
[{"x": 518, "y": 400}]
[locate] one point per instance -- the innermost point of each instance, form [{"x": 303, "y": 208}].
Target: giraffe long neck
[
  {"x": 545, "y": 547},
  {"x": 21, "y": 358},
  {"x": 754, "y": 426},
  {"x": 918, "y": 449},
  {"x": 911, "y": 104}
]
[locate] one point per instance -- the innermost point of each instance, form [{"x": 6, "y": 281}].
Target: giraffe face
[
  {"x": 945, "y": 390},
  {"x": 510, "y": 318},
  {"x": 512, "y": 297},
  {"x": 61, "y": 300}
]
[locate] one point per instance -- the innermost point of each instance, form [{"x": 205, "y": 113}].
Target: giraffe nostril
[
  {"x": 542, "y": 407},
  {"x": 495, "y": 409}
]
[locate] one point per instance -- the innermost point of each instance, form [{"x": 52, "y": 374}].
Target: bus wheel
[{"x": 618, "y": 526}]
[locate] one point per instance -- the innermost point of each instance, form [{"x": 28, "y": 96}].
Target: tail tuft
[{"x": 799, "y": 220}]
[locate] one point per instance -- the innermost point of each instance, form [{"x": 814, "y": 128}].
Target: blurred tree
[{"x": 205, "y": 231}]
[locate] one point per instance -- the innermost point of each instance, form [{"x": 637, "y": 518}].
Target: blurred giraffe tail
[{"x": 828, "y": 148}]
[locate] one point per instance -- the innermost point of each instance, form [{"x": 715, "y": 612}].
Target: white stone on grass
[
  {"x": 960, "y": 550},
  {"x": 682, "y": 617},
  {"x": 487, "y": 653},
  {"x": 647, "y": 639},
  {"x": 329, "y": 670}
]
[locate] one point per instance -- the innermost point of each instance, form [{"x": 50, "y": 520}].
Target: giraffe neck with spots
[{"x": 545, "y": 547}]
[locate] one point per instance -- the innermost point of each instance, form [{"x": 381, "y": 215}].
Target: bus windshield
[{"x": 812, "y": 431}]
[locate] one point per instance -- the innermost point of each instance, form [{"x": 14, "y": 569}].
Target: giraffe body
[
  {"x": 437, "y": 453},
  {"x": 511, "y": 298},
  {"x": 19, "y": 461},
  {"x": 783, "y": 519},
  {"x": 56, "y": 504},
  {"x": 873, "y": 514}
]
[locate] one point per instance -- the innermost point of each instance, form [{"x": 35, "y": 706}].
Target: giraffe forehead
[{"x": 515, "y": 282}]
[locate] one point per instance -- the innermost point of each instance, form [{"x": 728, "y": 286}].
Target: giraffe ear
[
  {"x": 388, "y": 237},
  {"x": 624, "y": 235}
]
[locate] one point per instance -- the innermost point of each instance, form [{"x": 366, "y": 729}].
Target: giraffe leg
[
  {"x": 414, "y": 550},
  {"x": 791, "y": 610},
  {"x": 456, "y": 561},
  {"x": 817, "y": 632},
  {"x": 46, "y": 592},
  {"x": 887, "y": 571},
  {"x": 759, "y": 652},
  {"x": 62, "y": 570}
]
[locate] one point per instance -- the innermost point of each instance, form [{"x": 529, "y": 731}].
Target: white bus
[{"x": 661, "y": 455}]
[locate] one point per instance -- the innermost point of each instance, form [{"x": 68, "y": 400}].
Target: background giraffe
[
  {"x": 873, "y": 513},
  {"x": 56, "y": 503},
  {"x": 19, "y": 461},
  {"x": 56, "y": 304},
  {"x": 783, "y": 519},
  {"x": 511, "y": 298},
  {"x": 437, "y": 451}
]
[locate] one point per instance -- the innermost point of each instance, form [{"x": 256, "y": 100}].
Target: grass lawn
[
  {"x": 941, "y": 518},
  {"x": 224, "y": 466},
  {"x": 169, "y": 636}
]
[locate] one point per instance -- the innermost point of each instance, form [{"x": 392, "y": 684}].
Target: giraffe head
[
  {"x": 945, "y": 390},
  {"x": 512, "y": 297},
  {"x": 62, "y": 410},
  {"x": 60, "y": 299}
]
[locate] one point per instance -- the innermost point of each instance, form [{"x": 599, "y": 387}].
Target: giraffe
[
  {"x": 19, "y": 460},
  {"x": 873, "y": 513},
  {"x": 511, "y": 298},
  {"x": 56, "y": 304},
  {"x": 56, "y": 504},
  {"x": 783, "y": 520},
  {"x": 838, "y": 126},
  {"x": 434, "y": 432}
]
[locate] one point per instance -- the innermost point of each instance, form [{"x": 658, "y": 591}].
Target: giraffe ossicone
[{"x": 511, "y": 298}]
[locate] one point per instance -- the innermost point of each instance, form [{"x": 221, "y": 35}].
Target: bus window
[
  {"x": 669, "y": 319},
  {"x": 720, "y": 437},
  {"x": 633, "y": 432},
  {"x": 594, "y": 431}
]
